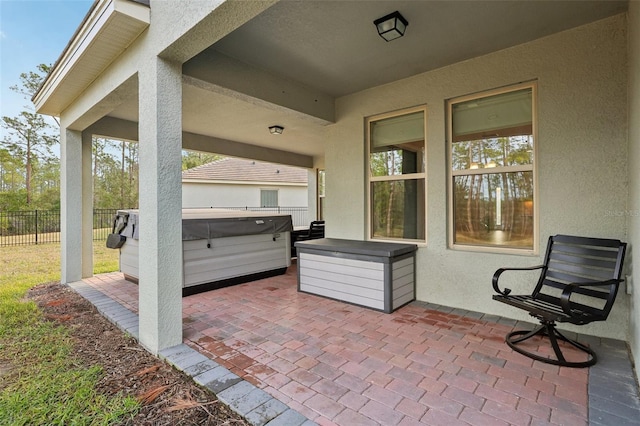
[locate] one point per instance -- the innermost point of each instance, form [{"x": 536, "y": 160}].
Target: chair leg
[
  {"x": 527, "y": 335},
  {"x": 548, "y": 329}
]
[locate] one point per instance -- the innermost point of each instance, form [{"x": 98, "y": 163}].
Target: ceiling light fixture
[
  {"x": 276, "y": 130},
  {"x": 392, "y": 26}
]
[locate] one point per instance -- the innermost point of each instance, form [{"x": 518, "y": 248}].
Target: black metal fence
[
  {"x": 43, "y": 226},
  {"x": 102, "y": 223}
]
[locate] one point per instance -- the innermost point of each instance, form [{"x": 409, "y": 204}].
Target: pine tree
[{"x": 29, "y": 137}]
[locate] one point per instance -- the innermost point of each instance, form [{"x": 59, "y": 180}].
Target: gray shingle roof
[{"x": 237, "y": 169}]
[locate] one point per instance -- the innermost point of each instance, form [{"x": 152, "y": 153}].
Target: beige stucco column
[
  {"x": 87, "y": 206},
  {"x": 70, "y": 205},
  {"x": 76, "y": 206},
  {"x": 160, "y": 261}
]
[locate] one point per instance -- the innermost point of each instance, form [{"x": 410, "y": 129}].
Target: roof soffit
[{"x": 107, "y": 30}]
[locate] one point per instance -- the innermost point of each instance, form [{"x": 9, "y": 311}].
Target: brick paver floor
[{"x": 342, "y": 364}]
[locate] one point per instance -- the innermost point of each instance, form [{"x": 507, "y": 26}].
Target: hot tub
[{"x": 220, "y": 247}]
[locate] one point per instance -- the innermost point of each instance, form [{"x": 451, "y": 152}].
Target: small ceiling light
[
  {"x": 276, "y": 130},
  {"x": 392, "y": 26}
]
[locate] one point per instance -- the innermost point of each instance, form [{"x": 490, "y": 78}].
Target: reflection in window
[
  {"x": 396, "y": 166},
  {"x": 492, "y": 169},
  {"x": 397, "y": 209},
  {"x": 494, "y": 209},
  {"x": 493, "y": 152}
]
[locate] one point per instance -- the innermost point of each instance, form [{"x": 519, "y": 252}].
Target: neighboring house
[
  {"x": 235, "y": 182},
  {"x": 488, "y": 127}
]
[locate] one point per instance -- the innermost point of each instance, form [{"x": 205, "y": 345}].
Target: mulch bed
[{"x": 168, "y": 396}]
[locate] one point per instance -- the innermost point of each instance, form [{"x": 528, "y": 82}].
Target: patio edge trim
[{"x": 252, "y": 403}]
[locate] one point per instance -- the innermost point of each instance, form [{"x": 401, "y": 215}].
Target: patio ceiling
[{"x": 289, "y": 64}]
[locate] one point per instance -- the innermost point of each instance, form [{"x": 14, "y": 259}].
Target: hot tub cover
[{"x": 198, "y": 224}]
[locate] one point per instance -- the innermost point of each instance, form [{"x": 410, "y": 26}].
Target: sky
[{"x": 33, "y": 32}]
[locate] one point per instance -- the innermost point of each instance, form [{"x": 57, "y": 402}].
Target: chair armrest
[
  {"x": 499, "y": 272},
  {"x": 565, "y": 297}
]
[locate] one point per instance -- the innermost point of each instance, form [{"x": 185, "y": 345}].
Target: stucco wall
[
  {"x": 634, "y": 174},
  {"x": 582, "y": 157},
  {"x": 224, "y": 195}
]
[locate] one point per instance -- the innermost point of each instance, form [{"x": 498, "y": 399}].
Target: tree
[
  {"x": 191, "y": 159},
  {"x": 106, "y": 174},
  {"x": 115, "y": 174},
  {"x": 130, "y": 174},
  {"x": 11, "y": 178},
  {"x": 47, "y": 184},
  {"x": 31, "y": 82},
  {"x": 29, "y": 135}
]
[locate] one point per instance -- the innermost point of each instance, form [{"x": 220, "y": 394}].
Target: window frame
[
  {"x": 402, "y": 177},
  {"x": 451, "y": 173}
]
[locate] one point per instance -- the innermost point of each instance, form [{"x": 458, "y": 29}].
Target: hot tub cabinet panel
[
  {"x": 231, "y": 257},
  {"x": 129, "y": 259},
  {"x": 213, "y": 254},
  {"x": 376, "y": 275}
]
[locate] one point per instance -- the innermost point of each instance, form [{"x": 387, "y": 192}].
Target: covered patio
[
  {"x": 335, "y": 363},
  {"x": 474, "y": 194}
]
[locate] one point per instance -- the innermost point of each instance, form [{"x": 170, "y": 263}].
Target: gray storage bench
[{"x": 377, "y": 275}]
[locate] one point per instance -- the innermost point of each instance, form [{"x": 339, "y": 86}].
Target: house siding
[
  {"x": 581, "y": 148},
  {"x": 229, "y": 195}
]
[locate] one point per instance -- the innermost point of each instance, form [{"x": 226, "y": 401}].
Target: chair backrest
[
  {"x": 572, "y": 259},
  {"x": 316, "y": 229}
]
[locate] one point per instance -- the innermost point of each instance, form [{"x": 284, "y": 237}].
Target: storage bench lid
[{"x": 366, "y": 248}]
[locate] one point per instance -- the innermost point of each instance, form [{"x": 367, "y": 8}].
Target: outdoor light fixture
[
  {"x": 276, "y": 130},
  {"x": 392, "y": 26}
]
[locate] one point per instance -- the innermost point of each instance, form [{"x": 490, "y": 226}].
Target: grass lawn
[{"x": 39, "y": 382}]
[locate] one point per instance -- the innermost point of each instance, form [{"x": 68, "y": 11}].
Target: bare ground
[{"x": 168, "y": 396}]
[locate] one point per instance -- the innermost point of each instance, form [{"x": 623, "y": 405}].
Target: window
[
  {"x": 269, "y": 197},
  {"x": 492, "y": 169},
  {"x": 396, "y": 151}
]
